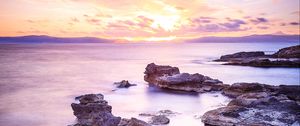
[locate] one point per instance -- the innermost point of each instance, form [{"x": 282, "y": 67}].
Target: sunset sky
[{"x": 148, "y": 19}]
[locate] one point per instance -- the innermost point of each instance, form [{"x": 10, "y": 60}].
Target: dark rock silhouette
[
  {"x": 124, "y": 84},
  {"x": 281, "y": 58}
]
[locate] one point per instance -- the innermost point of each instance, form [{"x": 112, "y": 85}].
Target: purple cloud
[
  {"x": 233, "y": 24},
  {"x": 203, "y": 20},
  {"x": 294, "y": 23},
  {"x": 259, "y": 20}
]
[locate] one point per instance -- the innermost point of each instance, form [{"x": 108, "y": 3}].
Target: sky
[{"x": 151, "y": 20}]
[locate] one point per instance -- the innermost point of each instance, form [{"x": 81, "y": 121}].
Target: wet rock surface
[
  {"x": 123, "y": 84},
  {"x": 257, "y": 104},
  {"x": 180, "y": 81},
  {"x": 286, "y": 57},
  {"x": 93, "y": 110}
]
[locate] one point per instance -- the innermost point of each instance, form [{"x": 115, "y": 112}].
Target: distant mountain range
[
  {"x": 251, "y": 38},
  {"x": 50, "y": 39}
]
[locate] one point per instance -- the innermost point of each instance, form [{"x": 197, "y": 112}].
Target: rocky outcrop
[
  {"x": 257, "y": 104},
  {"x": 282, "y": 58},
  {"x": 242, "y": 55},
  {"x": 170, "y": 78},
  {"x": 153, "y": 71},
  {"x": 289, "y": 52},
  {"x": 93, "y": 110},
  {"x": 263, "y": 62},
  {"x": 123, "y": 84}
]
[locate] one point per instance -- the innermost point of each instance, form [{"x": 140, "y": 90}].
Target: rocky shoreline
[
  {"x": 252, "y": 103},
  {"x": 286, "y": 57}
]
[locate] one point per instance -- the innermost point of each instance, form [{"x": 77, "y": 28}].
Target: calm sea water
[{"x": 38, "y": 82}]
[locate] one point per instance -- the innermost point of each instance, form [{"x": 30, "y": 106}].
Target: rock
[
  {"x": 259, "y": 59},
  {"x": 153, "y": 71},
  {"x": 262, "y": 62},
  {"x": 238, "y": 89},
  {"x": 93, "y": 110},
  {"x": 291, "y": 91},
  {"x": 132, "y": 122},
  {"x": 189, "y": 82},
  {"x": 159, "y": 120},
  {"x": 225, "y": 116},
  {"x": 289, "y": 52},
  {"x": 167, "y": 112},
  {"x": 90, "y": 98},
  {"x": 123, "y": 84},
  {"x": 257, "y": 104},
  {"x": 242, "y": 55},
  {"x": 181, "y": 81},
  {"x": 161, "y": 112}
]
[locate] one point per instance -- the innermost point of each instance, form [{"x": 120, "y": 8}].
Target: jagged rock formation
[
  {"x": 93, "y": 110},
  {"x": 170, "y": 78},
  {"x": 257, "y": 104}
]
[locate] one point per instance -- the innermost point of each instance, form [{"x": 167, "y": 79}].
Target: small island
[{"x": 285, "y": 57}]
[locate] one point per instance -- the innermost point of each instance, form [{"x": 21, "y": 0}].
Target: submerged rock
[
  {"x": 124, "y": 84},
  {"x": 93, "y": 110},
  {"x": 161, "y": 112},
  {"x": 160, "y": 117},
  {"x": 159, "y": 120},
  {"x": 132, "y": 122},
  {"x": 257, "y": 104},
  {"x": 170, "y": 78}
]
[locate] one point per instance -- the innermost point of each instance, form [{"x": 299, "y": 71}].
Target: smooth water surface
[{"x": 38, "y": 82}]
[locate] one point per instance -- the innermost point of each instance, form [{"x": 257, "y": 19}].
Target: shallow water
[{"x": 38, "y": 82}]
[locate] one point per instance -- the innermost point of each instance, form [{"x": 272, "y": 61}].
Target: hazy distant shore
[{"x": 211, "y": 39}]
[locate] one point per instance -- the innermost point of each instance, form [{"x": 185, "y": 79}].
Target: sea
[{"x": 38, "y": 81}]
